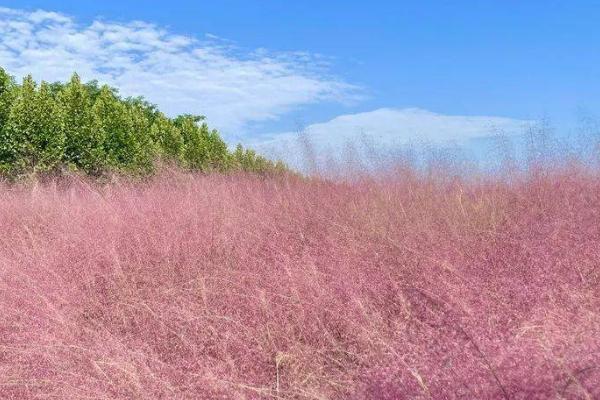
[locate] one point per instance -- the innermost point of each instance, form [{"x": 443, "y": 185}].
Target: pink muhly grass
[{"x": 191, "y": 287}]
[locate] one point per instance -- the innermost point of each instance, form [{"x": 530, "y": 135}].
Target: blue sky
[{"x": 513, "y": 59}]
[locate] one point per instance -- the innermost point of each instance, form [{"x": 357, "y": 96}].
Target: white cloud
[
  {"x": 180, "y": 73},
  {"x": 384, "y": 131}
]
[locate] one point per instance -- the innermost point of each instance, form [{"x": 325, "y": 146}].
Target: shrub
[{"x": 201, "y": 286}]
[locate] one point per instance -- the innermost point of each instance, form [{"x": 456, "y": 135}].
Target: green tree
[
  {"x": 7, "y": 94},
  {"x": 92, "y": 129},
  {"x": 218, "y": 154},
  {"x": 32, "y": 137},
  {"x": 17, "y": 128},
  {"x": 49, "y": 141},
  {"x": 84, "y": 146},
  {"x": 142, "y": 149},
  {"x": 167, "y": 137},
  {"x": 196, "y": 149},
  {"x": 109, "y": 121}
]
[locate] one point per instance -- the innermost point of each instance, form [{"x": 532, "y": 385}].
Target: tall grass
[{"x": 408, "y": 286}]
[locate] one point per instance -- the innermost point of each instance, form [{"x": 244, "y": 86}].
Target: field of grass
[{"x": 238, "y": 287}]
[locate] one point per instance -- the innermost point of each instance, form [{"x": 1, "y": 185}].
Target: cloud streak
[{"x": 181, "y": 74}]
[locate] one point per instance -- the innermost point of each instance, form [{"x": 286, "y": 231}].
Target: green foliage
[
  {"x": 32, "y": 139},
  {"x": 7, "y": 87},
  {"x": 84, "y": 149},
  {"x": 124, "y": 130},
  {"x": 195, "y": 148},
  {"x": 110, "y": 122},
  {"x": 168, "y": 139},
  {"x": 90, "y": 128},
  {"x": 7, "y": 93},
  {"x": 203, "y": 149},
  {"x": 248, "y": 160}
]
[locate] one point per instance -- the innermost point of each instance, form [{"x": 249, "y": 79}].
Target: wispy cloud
[
  {"x": 182, "y": 74},
  {"x": 385, "y": 131}
]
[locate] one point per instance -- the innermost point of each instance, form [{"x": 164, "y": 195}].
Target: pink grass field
[{"x": 236, "y": 287}]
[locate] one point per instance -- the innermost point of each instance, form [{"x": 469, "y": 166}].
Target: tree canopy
[{"x": 50, "y": 128}]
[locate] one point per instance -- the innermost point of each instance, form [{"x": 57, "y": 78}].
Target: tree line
[{"x": 51, "y": 128}]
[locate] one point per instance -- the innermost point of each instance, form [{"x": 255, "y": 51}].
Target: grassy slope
[{"x": 239, "y": 287}]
